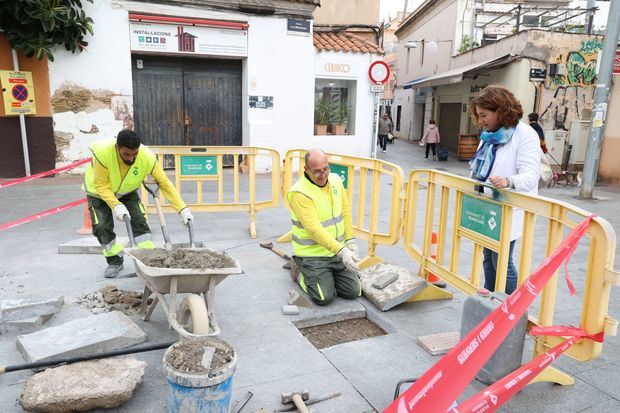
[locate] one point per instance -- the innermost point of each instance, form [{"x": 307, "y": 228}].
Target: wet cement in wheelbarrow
[
  {"x": 187, "y": 357},
  {"x": 184, "y": 258}
]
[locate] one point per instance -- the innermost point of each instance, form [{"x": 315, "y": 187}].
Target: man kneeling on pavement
[
  {"x": 323, "y": 239},
  {"x": 113, "y": 177}
]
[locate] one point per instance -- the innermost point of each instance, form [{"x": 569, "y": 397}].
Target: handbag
[{"x": 545, "y": 170}]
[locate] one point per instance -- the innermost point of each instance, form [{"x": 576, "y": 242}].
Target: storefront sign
[
  {"x": 336, "y": 67},
  {"x": 298, "y": 27},
  {"x": 342, "y": 171},
  {"x": 261, "y": 102},
  {"x": 18, "y": 92},
  {"x": 481, "y": 216},
  {"x": 193, "y": 40},
  {"x": 198, "y": 165}
]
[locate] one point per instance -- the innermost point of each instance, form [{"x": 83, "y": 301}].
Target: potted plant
[
  {"x": 340, "y": 118},
  {"x": 322, "y": 116}
]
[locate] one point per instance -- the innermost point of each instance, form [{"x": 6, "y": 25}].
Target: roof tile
[{"x": 343, "y": 42}]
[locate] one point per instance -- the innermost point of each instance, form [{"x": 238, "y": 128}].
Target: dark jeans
[
  {"x": 103, "y": 221},
  {"x": 433, "y": 146},
  {"x": 489, "y": 264},
  {"x": 383, "y": 141}
]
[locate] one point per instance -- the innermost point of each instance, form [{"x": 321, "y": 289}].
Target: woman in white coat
[{"x": 508, "y": 157}]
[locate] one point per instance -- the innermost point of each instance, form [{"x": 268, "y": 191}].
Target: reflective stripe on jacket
[
  {"x": 329, "y": 210},
  {"x": 105, "y": 153}
]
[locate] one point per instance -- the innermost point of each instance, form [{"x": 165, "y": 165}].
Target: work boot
[{"x": 112, "y": 271}]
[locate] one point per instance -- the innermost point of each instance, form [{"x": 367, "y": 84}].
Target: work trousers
[
  {"x": 103, "y": 225},
  {"x": 322, "y": 278}
]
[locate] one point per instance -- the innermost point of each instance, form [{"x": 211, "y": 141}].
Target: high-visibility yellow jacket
[
  {"x": 321, "y": 217},
  {"x": 109, "y": 178}
]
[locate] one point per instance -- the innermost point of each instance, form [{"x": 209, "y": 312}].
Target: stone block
[
  {"x": 294, "y": 298},
  {"x": 19, "y": 309},
  {"x": 95, "y": 334},
  {"x": 24, "y": 326},
  {"x": 406, "y": 285},
  {"x": 290, "y": 310},
  {"x": 88, "y": 385}
]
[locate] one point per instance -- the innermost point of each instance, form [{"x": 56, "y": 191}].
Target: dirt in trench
[
  {"x": 184, "y": 258},
  {"x": 187, "y": 357},
  {"x": 327, "y": 335}
]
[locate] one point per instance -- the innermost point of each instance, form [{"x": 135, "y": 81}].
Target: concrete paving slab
[
  {"x": 86, "y": 245},
  {"x": 90, "y": 335},
  {"x": 24, "y": 326},
  {"x": 403, "y": 287},
  {"x": 267, "y": 394},
  {"x": 610, "y": 405},
  {"x": 19, "y": 309}
]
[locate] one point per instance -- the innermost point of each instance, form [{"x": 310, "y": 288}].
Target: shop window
[{"x": 334, "y": 106}]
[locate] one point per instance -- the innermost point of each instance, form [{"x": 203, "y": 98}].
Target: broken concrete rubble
[{"x": 105, "y": 383}]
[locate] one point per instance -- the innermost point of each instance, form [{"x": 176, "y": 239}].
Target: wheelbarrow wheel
[{"x": 193, "y": 315}]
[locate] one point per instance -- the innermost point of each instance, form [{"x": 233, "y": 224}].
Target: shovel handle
[
  {"x": 132, "y": 241},
  {"x": 190, "y": 228}
]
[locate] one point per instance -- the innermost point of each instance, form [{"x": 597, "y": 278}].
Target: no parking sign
[{"x": 18, "y": 92}]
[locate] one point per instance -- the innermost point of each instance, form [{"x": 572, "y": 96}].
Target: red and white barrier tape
[
  {"x": 439, "y": 387},
  {"x": 42, "y": 174},
  {"x": 494, "y": 396},
  {"x": 39, "y": 215}
]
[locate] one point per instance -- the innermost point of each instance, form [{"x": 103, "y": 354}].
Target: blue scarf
[{"x": 482, "y": 162}]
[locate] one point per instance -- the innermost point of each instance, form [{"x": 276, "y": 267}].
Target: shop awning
[
  {"x": 456, "y": 75},
  {"x": 410, "y": 83}
]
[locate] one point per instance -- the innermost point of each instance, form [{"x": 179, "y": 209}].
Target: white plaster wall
[
  {"x": 282, "y": 66},
  {"x": 404, "y": 98},
  {"x": 359, "y": 144}
]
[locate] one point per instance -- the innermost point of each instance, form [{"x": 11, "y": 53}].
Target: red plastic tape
[
  {"x": 494, "y": 396},
  {"x": 42, "y": 174},
  {"x": 43, "y": 214},
  {"x": 439, "y": 387}
]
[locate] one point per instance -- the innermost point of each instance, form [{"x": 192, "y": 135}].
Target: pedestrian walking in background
[
  {"x": 431, "y": 138},
  {"x": 533, "y": 118},
  {"x": 508, "y": 157},
  {"x": 385, "y": 128}
]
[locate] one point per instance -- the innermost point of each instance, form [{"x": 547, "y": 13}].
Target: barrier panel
[
  {"x": 362, "y": 178},
  {"x": 486, "y": 222},
  {"x": 220, "y": 175}
]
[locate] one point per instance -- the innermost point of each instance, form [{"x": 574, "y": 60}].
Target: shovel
[{"x": 160, "y": 216}]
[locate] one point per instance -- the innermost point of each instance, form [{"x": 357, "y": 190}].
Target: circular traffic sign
[
  {"x": 19, "y": 93},
  {"x": 379, "y": 72}
]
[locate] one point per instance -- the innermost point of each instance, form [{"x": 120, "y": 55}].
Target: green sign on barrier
[
  {"x": 482, "y": 217},
  {"x": 198, "y": 165},
  {"x": 341, "y": 170}
]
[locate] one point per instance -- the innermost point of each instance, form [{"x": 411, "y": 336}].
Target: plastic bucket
[{"x": 201, "y": 392}]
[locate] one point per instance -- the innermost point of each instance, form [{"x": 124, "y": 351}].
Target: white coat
[{"x": 519, "y": 159}]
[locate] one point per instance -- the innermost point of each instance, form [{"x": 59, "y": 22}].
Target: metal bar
[
  {"x": 568, "y": 18},
  {"x": 236, "y": 180},
  {"x": 22, "y": 122},
  {"x": 361, "y": 202},
  {"x": 499, "y": 17},
  {"x": 220, "y": 179},
  {"x": 527, "y": 246},
  {"x": 601, "y": 101}
]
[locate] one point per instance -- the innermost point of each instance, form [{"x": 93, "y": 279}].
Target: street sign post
[{"x": 379, "y": 73}]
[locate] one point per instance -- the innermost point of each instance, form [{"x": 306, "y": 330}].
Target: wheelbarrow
[{"x": 195, "y": 317}]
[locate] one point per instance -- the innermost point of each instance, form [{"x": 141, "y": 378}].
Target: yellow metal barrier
[
  {"x": 486, "y": 222},
  {"x": 362, "y": 178},
  {"x": 204, "y": 165}
]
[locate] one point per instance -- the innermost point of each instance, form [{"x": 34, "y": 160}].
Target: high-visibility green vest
[
  {"x": 329, "y": 211},
  {"x": 105, "y": 152}
]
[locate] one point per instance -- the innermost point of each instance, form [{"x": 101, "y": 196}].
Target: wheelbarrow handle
[
  {"x": 132, "y": 241},
  {"x": 190, "y": 228}
]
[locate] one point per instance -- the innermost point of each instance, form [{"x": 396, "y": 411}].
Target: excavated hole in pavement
[
  {"x": 184, "y": 258},
  {"x": 326, "y": 335}
]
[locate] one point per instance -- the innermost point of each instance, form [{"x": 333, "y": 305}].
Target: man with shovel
[
  {"x": 111, "y": 183},
  {"x": 323, "y": 240}
]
